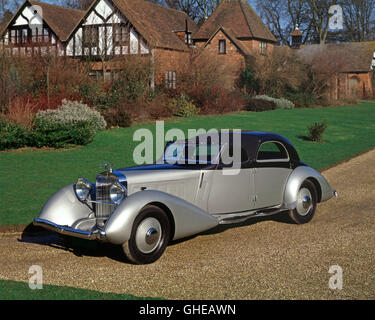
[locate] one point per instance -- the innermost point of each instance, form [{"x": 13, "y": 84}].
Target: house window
[
  {"x": 19, "y": 36},
  {"x": 121, "y": 34},
  {"x": 13, "y": 36},
  {"x": 170, "y": 79},
  {"x": 222, "y": 47},
  {"x": 188, "y": 38},
  {"x": 263, "y": 47},
  {"x": 45, "y": 35},
  {"x": 90, "y": 36}
]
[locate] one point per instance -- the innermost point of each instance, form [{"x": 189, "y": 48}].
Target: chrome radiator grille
[{"x": 103, "y": 184}]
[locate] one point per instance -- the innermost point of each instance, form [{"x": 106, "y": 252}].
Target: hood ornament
[{"x": 108, "y": 167}]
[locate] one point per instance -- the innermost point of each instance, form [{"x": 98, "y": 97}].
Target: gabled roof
[
  {"x": 156, "y": 23},
  {"x": 347, "y": 57},
  {"x": 61, "y": 20},
  {"x": 238, "y": 16},
  {"x": 231, "y": 36}
]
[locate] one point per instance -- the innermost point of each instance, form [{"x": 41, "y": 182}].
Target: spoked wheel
[
  {"x": 149, "y": 237},
  {"x": 306, "y": 203}
]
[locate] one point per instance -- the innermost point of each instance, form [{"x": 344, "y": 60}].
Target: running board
[{"x": 236, "y": 218}]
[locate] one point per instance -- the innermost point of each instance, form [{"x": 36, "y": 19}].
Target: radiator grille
[{"x": 103, "y": 184}]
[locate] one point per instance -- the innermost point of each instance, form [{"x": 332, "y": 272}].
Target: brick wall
[
  {"x": 168, "y": 60},
  {"x": 232, "y": 59}
]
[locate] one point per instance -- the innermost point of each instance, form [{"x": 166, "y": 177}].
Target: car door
[
  {"x": 271, "y": 172},
  {"x": 232, "y": 189}
]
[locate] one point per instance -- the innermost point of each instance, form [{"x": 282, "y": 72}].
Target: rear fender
[
  {"x": 295, "y": 180},
  {"x": 188, "y": 219}
]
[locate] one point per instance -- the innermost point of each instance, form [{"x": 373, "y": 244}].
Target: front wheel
[
  {"x": 306, "y": 203},
  {"x": 149, "y": 237}
]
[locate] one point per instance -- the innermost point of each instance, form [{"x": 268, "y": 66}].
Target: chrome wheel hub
[
  {"x": 304, "y": 201},
  {"x": 148, "y": 235}
]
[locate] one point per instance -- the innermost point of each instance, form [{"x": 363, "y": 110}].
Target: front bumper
[{"x": 65, "y": 230}]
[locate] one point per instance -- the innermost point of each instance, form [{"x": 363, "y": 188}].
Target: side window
[{"x": 272, "y": 151}]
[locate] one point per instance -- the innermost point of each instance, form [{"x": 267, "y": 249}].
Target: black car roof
[{"x": 251, "y": 140}]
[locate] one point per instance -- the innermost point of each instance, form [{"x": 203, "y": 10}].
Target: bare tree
[
  {"x": 359, "y": 19},
  {"x": 282, "y": 16}
]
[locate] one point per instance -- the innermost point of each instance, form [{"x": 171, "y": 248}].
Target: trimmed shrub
[
  {"x": 182, "y": 106},
  {"x": 301, "y": 98},
  {"x": 12, "y": 136},
  {"x": 259, "y": 105},
  {"x": 117, "y": 117},
  {"x": 71, "y": 113},
  {"x": 316, "y": 131},
  {"x": 281, "y": 103},
  {"x": 59, "y": 135}
]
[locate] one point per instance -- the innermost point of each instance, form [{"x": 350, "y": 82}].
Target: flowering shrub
[
  {"x": 72, "y": 112},
  {"x": 281, "y": 103}
]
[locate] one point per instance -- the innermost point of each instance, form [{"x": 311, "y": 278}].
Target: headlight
[
  {"x": 117, "y": 192},
  {"x": 83, "y": 188}
]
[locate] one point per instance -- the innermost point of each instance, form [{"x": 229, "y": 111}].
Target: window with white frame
[
  {"x": 222, "y": 47},
  {"x": 170, "y": 79}
]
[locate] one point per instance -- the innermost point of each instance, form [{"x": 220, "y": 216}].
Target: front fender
[
  {"x": 63, "y": 208},
  {"x": 295, "y": 180},
  {"x": 188, "y": 219}
]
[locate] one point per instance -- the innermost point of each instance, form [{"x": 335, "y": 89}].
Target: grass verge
[
  {"x": 29, "y": 177},
  {"x": 14, "y": 290}
]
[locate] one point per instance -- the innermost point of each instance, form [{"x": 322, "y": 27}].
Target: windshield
[{"x": 182, "y": 153}]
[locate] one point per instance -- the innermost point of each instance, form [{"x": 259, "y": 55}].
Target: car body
[{"x": 142, "y": 208}]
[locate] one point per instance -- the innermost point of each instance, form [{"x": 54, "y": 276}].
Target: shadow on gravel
[
  {"x": 79, "y": 247},
  {"x": 82, "y": 248},
  {"x": 281, "y": 217}
]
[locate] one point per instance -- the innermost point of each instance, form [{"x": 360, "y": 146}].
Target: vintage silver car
[{"x": 142, "y": 208}]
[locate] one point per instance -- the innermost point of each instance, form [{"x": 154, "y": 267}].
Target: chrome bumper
[{"x": 88, "y": 235}]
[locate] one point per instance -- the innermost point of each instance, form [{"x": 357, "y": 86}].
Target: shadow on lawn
[{"x": 82, "y": 247}]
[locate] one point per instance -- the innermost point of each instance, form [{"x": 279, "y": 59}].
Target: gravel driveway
[{"x": 267, "y": 258}]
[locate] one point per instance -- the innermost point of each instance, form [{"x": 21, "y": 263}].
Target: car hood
[{"x": 181, "y": 181}]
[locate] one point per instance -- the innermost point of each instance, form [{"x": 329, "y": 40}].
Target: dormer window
[{"x": 222, "y": 47}]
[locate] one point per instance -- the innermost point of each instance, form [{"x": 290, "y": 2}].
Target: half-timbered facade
[{"x": 107, "y": 30}]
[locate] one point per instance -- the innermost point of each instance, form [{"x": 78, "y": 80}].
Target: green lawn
[
  {"x": 14, "y": 290},
  {"x": 30, "y": 177}
]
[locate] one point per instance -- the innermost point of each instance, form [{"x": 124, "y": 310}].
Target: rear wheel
[
  {"x": 149, "y": 237},
  {"x": 306, "y": 203}
]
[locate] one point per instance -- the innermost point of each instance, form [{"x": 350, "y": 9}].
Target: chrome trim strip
[{"x": 94, "y": 235}]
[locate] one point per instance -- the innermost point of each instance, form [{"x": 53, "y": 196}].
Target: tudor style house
[
  {"x": 106, "y": 31},
  {"x": 112, "y": 29}
]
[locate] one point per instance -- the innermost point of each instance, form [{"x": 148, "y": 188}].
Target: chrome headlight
[
  {"x": 117, "y": 192},
  {"x": 83, "y": 188}
]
